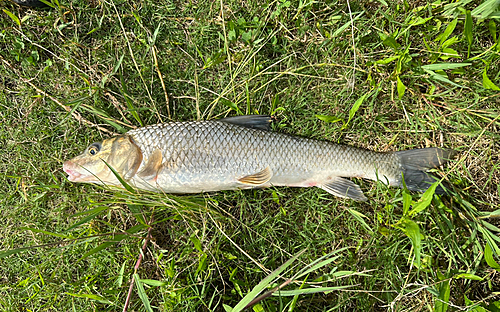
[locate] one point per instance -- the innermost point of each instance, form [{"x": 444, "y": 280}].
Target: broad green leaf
[
  {"x": 401, "y": 88},
  {"x": 152, "y": 282},
  {"x": 327, "y": 118},
  {"x": 202, "y": 264},
  {"x": 407, "y": 199},
  {"x": 411, "y": 229},
  {"x": 419, "y": 21},
  {"x": 468, "y": 31},
  {"x": 443, "y": 66},
  {"x": 447, "y": 32},
  {"x": 230, "y": 104},
  {"x": 387, "y": 60},
  {"x": 450, "y": 42},
  {"x": 142, "y": 293},
  {"x": 441, "y": 302},
  {"x": 425, "y": 200},
  {"x": 354, "y": 109},
  {"x": 468, "y": 276},
  {"x": 488, "y": 256},
  {"x": 246, "y": 36},
  {"x": 119, "y": 280},
  {"x": 449, "y": 53},
  {"x": 391, "y": 42},
  {"x": 487, "y": 83},
  {"x": 13, "y": 17},
  {"x": 493, "y": 29},
  {"x": 196, "y": 242}
]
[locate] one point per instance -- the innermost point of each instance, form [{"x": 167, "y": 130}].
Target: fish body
[{"x": 239, "y": 153}]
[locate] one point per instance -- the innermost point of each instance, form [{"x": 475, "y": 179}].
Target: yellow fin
[
  {"x": 258, "y": 178},
  {"x": 151, "y": 168}
]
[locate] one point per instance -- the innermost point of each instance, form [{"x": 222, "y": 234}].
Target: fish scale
[{"x": 240, "y": 152}]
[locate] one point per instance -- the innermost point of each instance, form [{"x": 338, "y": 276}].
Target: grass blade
[
  {"x": 468, "y": 31},
  {"x": 142, "y": 293},
  {"x": 308, "y": 291},
  {"x": 130, "y": 105},
  {"x": 264, "y": 283},
  {"x": 122, "y": 181}
]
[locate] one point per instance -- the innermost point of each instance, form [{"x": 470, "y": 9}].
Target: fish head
[{"x": 120, "y": 153}]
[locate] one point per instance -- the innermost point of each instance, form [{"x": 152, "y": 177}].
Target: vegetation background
[{"x": 384, "y": 75}]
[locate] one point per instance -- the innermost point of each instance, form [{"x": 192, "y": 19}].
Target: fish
[{"x": 243, "y": 152}]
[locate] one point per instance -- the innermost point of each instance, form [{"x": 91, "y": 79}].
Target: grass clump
[{"x": 378, "y": 75}]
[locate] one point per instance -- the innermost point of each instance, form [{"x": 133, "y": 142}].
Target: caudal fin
[{"x": 415, "y": 164}]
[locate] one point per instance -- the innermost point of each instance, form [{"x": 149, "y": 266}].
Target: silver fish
[{"x": 240, "y": 153}]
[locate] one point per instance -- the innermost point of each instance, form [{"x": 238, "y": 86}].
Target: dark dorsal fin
[{"x": 261, "y": 122}]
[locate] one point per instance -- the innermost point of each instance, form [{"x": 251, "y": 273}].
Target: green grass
[{"x": 74, "y": 75}]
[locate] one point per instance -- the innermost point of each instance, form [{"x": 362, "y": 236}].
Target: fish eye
[{"x": 94, "y": 149}]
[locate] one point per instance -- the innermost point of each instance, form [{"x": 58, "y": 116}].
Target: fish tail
[{"x": 416, "y": 162}]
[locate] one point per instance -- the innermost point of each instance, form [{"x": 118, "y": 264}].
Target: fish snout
[{"x": 69, "y": 168}]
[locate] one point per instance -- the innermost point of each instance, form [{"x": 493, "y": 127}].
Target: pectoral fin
[
  {"x": 151, "y": 168},
  {"x": 258, "y": 178},
  {"x": 343, "y": 188}
]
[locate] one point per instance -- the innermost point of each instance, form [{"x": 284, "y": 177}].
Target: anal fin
[
  {"x": 343, "y": 188},
  {"x": 258, "y": 178},
  {"x": 150, "y": 170}
]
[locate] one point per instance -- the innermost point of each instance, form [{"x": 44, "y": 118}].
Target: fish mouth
[{"x": 73, "y": 175}]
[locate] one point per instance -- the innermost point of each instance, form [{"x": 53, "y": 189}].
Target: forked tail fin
[{"x": 415, "y": 164}]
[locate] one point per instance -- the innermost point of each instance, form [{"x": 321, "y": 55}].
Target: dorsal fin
[{"x": 261, "y": 122}]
